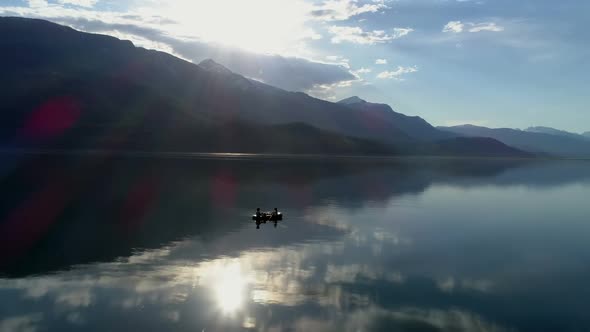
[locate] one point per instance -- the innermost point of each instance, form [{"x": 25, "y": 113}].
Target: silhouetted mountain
[
  {"x": 553, "y": 131},
  {"x": 215, "y": 67},
  {"x": 352, "y": 100},
  {"x": 381, "y": 115},
  {"x": 292, "y": 138},
  {"x": 64, "y": 88},
  {"x": 541, "y": 143},
  {"x": 113, "y": 84}
]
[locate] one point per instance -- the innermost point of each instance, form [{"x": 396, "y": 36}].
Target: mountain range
[
  {"x": 62, "y": 88},
  {"x": 538, "y": 140},
  {"x": 557, "y": 132}
]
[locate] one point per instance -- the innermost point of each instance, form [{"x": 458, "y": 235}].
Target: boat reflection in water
[{"x": 263, "y": 217}]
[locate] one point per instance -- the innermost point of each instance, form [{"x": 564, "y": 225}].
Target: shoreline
[{"x": 259, "y": 156}]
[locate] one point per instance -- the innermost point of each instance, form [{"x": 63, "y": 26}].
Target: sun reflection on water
[{"x": 229, "y": 287}]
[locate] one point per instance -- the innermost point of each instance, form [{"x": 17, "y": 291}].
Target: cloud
[
  {"x": 338, "y": 60},
  {"x": 451, "y": 284},
  {"x": 340, "y": 10},
  {"x": 381, "y": 62},
  {"x": 350, "y": 273},
  {"x": 357, "y": 35},
  {"x": 44, "y": 4},
  {"x": 311, "y": 34},
  {"x": 37, "y": 3},
  {"x": 329, "y": 91},
  {"x": 341, "y": 90},
  {"x": 454, "y": 26},
  {"x": 80, "y": 3},
  {"x": 488, "y": 26},
  {"x": 294, "y": 74},
  {"x": 458, "y": 27},
  {"x": 363, "y": 71},
  {"x": 398, "y": 73},
  {"x": 400, "y": 32}
]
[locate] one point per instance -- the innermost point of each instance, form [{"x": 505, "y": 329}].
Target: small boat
[{"x": 268, "y": 216}]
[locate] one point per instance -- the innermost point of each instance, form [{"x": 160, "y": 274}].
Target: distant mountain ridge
[
  {"x": 381, "y": 115},
  {"x": 558, "y": 132},
  {"x": 110, "y": 94},
  {"x": 536, "y": 142}
]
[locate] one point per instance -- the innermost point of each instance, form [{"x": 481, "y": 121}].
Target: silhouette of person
[{"x": 258, "y": 213}]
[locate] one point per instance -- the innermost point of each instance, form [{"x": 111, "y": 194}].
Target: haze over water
[{"x": 115, "y": 244}]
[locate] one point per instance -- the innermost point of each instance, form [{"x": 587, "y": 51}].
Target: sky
[{"x": 495, "y": 63}]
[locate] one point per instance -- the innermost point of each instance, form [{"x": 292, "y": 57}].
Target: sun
[{"x": 263, "y": 26}]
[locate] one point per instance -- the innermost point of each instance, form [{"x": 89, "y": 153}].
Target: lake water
[{"x": 144, "y": 244}]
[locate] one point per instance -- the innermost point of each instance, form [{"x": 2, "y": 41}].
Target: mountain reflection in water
[{"x": 383, "y": 245}]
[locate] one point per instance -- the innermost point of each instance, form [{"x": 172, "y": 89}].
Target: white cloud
[
  {"x": 336, "y": 58},
  {"x": 398, "y": 73},
  {"x": 363, "y": 71},
  {"x": 458, "y": 27},
  {"x": 37, "y": 3},
  {"x": 488, "y": 26},
  {"x": 400, "y": 32},
  {"x": 334, "y": 91},
  {"x": 80, "y": 3},
  {"x": 381, "y": 62},
  {"x": 357, "y": 35},
  {"x": 339, "y": 10},
  {"x": 311, "y": 34},
  {"x": 454, "y": 26}
]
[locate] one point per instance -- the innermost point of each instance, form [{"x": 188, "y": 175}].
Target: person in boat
[
  {"x": 258, "y": 214},
  {"x": 275, "y": 213}
]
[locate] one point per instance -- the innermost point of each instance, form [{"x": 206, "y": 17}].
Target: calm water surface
[{"x": 105, "y": 244}]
